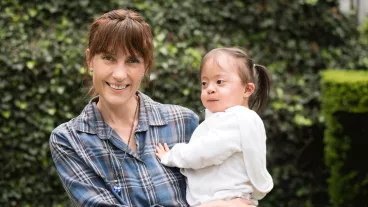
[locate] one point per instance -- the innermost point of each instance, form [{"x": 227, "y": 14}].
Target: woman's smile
[{"x": 117, "y": 87}]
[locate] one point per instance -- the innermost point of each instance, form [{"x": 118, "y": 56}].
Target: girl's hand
[{"x": 162, "y": 150}]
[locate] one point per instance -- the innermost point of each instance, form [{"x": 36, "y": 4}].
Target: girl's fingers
[{"x": 166, "y": 147}]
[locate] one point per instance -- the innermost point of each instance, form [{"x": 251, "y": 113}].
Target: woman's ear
[
  {"x": 88, "y": 60},
  {"x": 249, "y": 89}
]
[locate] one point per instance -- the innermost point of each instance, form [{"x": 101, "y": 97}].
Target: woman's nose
[{"x": 120, "y": 73}]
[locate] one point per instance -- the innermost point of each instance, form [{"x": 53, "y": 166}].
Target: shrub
[{"x": 345, "y": 107}]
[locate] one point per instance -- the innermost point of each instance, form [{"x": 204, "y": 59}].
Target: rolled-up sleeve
[{"x": 83, "y": 185}]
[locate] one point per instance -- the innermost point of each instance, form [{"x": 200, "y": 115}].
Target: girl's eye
[
  {"x": 133, "y": 60},
  {"x": 108, "y": 57},
  {"x": 220, "y": 81},
  {"x": 204, "y": 83}
]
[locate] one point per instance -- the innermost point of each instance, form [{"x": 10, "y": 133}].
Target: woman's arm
[
  {"x": 83, "y": 185},
  {"x": 237, "y": 202}
]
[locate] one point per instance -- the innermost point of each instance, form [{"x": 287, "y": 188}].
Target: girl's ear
[
  {"x": 88, "y": 60},
  {"x": 249, "y": 89}
]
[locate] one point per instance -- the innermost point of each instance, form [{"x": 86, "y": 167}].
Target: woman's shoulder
[
  {"x": 177, "y": 112},
  {"x": 177, "y": 109},
  {"x": 80, "y": 123},
  {"x": 170, "y": 111},
  {"x": 65, "y": 128},
  {"x": 61, "y": 134}
]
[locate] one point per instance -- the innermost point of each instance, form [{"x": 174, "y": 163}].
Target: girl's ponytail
[{"x": 262, "y": 80}]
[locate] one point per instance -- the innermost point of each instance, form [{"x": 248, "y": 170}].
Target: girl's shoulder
[{"x": 244, "y": 114}]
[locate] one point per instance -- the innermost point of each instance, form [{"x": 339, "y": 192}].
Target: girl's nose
[{"x": 210, "y": 90}]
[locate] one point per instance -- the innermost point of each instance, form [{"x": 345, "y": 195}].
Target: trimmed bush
[{"x": 345, "y": 107}]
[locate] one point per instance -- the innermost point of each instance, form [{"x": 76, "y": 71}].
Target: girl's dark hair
[
  {"x": 249, "y": 72},
  {"x": 123, "y": 30}
]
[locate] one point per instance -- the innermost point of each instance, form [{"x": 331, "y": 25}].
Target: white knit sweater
[{"x": 225, "y": 158}]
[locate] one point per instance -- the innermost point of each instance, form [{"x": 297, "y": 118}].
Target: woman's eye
[
  {"x": 204, "y": 83},
  {"x": 220, "y": 81},
  {"x": 108, "y": 57},
  {"x": 133, "y": 60}
]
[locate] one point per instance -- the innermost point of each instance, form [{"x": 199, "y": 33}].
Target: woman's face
[{"x": 116, "y": 77}]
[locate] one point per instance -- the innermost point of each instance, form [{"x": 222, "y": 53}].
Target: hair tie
[{"x": 254, "y": 72}]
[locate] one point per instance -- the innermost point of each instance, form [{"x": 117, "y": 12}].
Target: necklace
[
  {"x": 131, "y": 128},
  {"x": 117, "y": 172}
]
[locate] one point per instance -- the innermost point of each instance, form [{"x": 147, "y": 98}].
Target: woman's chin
[{"x": 115, "y": 100}]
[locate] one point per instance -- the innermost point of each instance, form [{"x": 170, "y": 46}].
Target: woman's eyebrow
[
  {"x": 135, "y": 55},
  {"x": 107, "y": 53}
]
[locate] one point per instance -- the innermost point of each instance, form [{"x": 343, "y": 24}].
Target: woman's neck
[{"x": 119, "y": 115}]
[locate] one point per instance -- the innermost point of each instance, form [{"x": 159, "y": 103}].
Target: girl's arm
[
  {"x": 212, "y": 148},
  {"x": 254, "y": 151}
]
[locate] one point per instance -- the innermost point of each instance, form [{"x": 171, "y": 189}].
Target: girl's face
[
  {"x": 116, "y": 77},
  {"x": 221, "y": 85}
]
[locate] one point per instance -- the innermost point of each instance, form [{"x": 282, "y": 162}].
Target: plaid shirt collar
[{"x": 91, "y": 121}]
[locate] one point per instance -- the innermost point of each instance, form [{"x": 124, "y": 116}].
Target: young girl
[{"x": 226, "y": 156}]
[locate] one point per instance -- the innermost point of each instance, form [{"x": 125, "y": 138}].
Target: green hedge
[
  {"x": 345, "y": 107},
  {"x": 42, "y": 45}
]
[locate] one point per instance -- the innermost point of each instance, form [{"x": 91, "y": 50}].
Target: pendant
[{"x": 117, "y": 189}]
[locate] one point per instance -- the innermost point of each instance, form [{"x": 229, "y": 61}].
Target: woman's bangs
[{"x": 126, "y": 36}]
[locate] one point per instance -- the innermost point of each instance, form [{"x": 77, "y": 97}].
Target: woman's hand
[
  {"x": 237, "y": 202},
  {"x": 162, "y": 150}
]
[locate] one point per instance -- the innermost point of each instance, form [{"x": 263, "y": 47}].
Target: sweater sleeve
[
  {"x": 254, "y": 152},
  {"x": 212, "y": 148}
]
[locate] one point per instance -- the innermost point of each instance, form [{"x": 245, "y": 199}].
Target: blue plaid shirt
[{"x": 89, "y": 156}]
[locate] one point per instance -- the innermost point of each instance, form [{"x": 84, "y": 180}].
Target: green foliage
[
  {"x": 345, "y": 106},
  {"x": 41, "y": 68},
  {"x": 42, "y": 46}
]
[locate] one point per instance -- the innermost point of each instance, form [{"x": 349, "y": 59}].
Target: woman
[{"x": 106, "y": 155}]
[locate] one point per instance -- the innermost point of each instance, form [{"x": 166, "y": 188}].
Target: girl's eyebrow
[
  {"x": 216, "y": 76},
  {"x": 220, "y": 76}
]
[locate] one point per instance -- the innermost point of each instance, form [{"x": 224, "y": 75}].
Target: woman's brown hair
[{"x": 123, "y": 30}]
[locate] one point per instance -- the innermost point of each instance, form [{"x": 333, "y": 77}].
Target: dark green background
[{"x": 42, "y": 64}]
